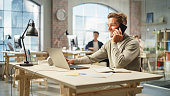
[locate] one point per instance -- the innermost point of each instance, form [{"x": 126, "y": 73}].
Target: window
[
  {"x": 14, "y": 17},
  {"x": 88, "y": 18}
]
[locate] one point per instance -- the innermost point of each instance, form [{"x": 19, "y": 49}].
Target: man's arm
[
  {"x": 128, "y": 55},
  {"x": 99, "y": 55}
]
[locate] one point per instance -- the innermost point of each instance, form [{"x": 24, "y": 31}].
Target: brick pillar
[
  {"x": 135, "y": 17},
  {"x": 58, "y": 38}
]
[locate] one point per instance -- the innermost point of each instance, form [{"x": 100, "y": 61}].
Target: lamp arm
[
  {"x": 24, "y": 50},
  {"x": 22, "y": 37}
]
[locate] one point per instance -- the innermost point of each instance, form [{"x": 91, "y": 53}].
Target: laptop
[{"x": 60, "y": 61}]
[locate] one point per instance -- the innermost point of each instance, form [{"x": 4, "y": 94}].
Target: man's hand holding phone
[{"x": 117, "y": 35}]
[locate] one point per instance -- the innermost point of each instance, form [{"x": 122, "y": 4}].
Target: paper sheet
[
  {"x": 107, "y": 69},
  {"x": 97, "y": 75}
]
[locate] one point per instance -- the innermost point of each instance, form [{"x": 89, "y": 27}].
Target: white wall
[
  {"x": 45, "y": 24},
  {"x": 119, "y": 5},
  {"x": 159, "y": 8}
]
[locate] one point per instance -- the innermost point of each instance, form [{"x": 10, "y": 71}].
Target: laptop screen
[
  {"x": 58, "y": 58},
  {"x": 60, "y": 61}
]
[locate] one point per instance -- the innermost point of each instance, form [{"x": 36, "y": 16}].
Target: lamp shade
[
  {"x": 31, "y": 31},
  {"x": 9, "y": 37}
]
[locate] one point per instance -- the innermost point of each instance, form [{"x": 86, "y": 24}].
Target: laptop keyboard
[{"x": 77, "y": 67}]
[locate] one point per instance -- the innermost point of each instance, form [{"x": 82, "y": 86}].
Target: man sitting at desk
[
  {"x": 122, "y": 50},
  {"x": 94, "y": 45}
]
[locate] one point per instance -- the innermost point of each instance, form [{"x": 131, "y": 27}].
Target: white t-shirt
[
  {"x": 95, "y": 46},
  {"x": 141, "y": 43}
]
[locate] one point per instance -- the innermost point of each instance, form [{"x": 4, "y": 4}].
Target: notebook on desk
[{"x": 59, "y": 60}]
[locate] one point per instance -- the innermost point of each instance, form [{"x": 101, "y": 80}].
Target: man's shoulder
[
  {"x": 108, "y": 42},
  {"x": 100, "y": 42},
  {"x": 90, "y": 41},
  {"x": 129, "y": 39},
  {"x": 132, "y": 40}
]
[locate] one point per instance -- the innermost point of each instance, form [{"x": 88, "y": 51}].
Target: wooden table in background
[
  {"x": 146, "y": 56},
  {"x": 76, "y": 53},
  {"x": 19, "y": 56}
]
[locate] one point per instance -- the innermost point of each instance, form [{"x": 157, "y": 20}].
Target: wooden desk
[
  {"x": 76, "y": 53},
  {"x": 18, "y": 55},
  {"x": 146, "y": 56},
  {"x": 85, "y": 85}
]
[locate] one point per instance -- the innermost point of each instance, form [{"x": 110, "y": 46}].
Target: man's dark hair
[
  {"x": 136, "y": 36},
  {"x": 115, "y": 15},
  {"x": 124, "y": 17},
  {"x": 95, "y": 32}
]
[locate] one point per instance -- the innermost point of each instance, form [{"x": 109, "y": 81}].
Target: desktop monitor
[
  {"x": 72, "y": 41},
  {"x": 17, "y": 42},
  {"x": 10, "y": 46}
]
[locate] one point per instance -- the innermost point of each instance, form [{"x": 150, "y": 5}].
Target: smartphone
[{"x": 122, "y": 27}]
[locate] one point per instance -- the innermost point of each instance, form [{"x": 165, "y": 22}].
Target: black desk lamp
[
  {"x": 9, "y": 37},
  {"x": 30, "y": 31}
]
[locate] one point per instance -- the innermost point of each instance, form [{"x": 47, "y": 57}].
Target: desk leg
[
  {"x": 149, "y": 66},
  {"x": 143, "y": 64},
  {"x": 24, "y": 83},
  {"x": 21, "y": 84},
  {"x": 26, "y": 86},
  {"x": 4, "y": 71},
  {"x": 7, "y": 69},
  {"x": 18, "y": 59},
  {"x": 66, "y": 91},
  {"x": 132, "y": 85}
]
